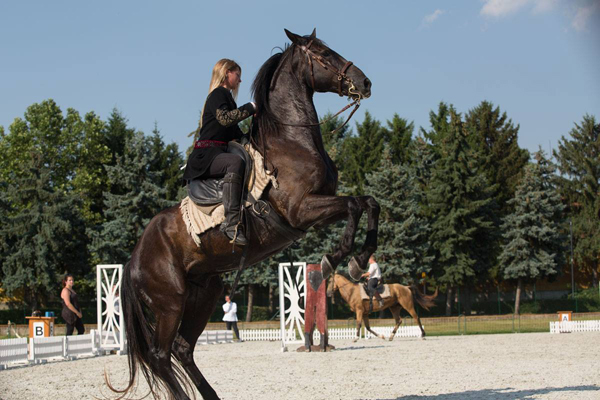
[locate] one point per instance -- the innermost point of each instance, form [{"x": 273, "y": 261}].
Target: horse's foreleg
[
  {"x": 395, "y": 309},
  {"x": 368, "y": 327},
  {"x": 358, "y": 263},
  {"x": 199, "y": 306},
  {"x": 359, "y": 318},
  {"x": 322, "y": 210}
]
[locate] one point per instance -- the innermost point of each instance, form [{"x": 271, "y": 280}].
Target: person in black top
[
  {"x": 71, "y": 312},
  {"x": 219, "y": 125}
]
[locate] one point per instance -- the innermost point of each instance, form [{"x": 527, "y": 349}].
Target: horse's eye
[{"x": 326, "y": 53}]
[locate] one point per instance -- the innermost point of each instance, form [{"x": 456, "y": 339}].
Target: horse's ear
[
  {"x": 293, "y": 37},
  {"x": 313, "y": 35}
]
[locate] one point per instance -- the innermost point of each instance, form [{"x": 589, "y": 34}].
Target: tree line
[{"x": 462, "y": 205}]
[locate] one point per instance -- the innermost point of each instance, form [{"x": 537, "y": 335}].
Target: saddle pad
[
  {"x": 194, "y": 216},
  {"x": 386, "y": 292}
]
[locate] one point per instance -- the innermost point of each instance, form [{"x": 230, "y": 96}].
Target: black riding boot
[{"x": 232, "y": 199}]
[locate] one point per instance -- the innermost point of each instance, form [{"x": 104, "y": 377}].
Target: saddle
[
  {"x": 202, "y": 209},
  {"x": 379, "y": 289},
  {"x": 208, "y": 193}
]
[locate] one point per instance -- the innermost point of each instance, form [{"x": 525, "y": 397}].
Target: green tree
[
  {"x": 44, "y": 130},
  {"x": 398, "y": 136},
  {"x": 361, "y": 154},
  {"x": 579, "y": 163},
  {"x": 134, "y": 198},
  {"x": 462, "y": 201},
  {"x": 403, "y": 237},
  {"x": 42, "y": 235},
  {"x": 533, "y": 241},
  {"x": 495, "y": 138},
  {"x": 167, "y": 161}
]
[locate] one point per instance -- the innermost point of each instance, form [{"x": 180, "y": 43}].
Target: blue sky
[{"x": 539, "y": 60}]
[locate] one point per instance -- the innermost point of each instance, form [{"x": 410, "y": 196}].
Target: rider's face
[{"x": 233, "y": 79}]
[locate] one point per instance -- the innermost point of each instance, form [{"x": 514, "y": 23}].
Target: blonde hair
[{"x": 219, "y": 74}]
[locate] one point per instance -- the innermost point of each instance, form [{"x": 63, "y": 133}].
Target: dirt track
[{"x": 508, "y": 367}]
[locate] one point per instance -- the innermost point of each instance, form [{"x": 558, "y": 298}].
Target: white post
[
  {"x": 110, "y": 317},
  {"x": 294, "y": 289}
]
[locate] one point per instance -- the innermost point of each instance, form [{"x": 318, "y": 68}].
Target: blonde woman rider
[{"x": 219, "y": 125}]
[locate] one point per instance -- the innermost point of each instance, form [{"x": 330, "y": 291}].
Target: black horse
[{"x": 171, "y": 286}]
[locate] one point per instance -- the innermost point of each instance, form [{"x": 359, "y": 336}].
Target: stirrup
[{"x": 237, "y": 236}]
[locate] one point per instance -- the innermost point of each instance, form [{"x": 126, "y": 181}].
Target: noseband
[{"x": 341, "y": 74}]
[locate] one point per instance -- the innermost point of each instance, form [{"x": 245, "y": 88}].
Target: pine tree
[
  {"x": 533, "y": 242},
  {"x": 134, "y": 198},
  {"x": 42, "y": 235},
  {"x": 361, "y": 154},
  {"x": 462, "y": 201},
  {"x": 167, "y": 161},
  {"x": 398, "y": 136},
  {"x": 579, "y": 162},
  {"x": 403, "y": 237},
  {"x": 496, "y": 140}
]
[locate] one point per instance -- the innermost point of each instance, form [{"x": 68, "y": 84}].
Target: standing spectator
[
  {"x": 230, "y": 317},
  {"x": 71, "y": 312}
]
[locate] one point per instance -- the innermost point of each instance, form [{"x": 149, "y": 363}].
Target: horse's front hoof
[
  {"x": 354, "y": 269},
  {"x": 326, "y": 267},
  {"x": 355, "y": 340},
  {"x": 391, "y": 338},
  {"x": 383, "y": 337}
]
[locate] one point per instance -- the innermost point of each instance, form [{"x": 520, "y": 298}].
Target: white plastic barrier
[
  {"x": 574, "y": 326},
  {"x": 13, "y": 351},
  {"x": 79, "y": 345},
  {"x": 254, "y": 335},
  {"x": 43, "y": 348},
  {"x": 212, "y": 337}
]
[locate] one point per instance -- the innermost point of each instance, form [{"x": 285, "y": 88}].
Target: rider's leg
[{"x": 232, "y": 167}]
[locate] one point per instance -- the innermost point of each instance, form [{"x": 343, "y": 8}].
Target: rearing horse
[{"x": 171, "y": 285}]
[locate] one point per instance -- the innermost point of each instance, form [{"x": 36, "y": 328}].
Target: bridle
[{"x": 341, "y": 77}]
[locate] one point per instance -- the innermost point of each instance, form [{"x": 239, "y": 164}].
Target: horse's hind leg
[
  {"x": 167, "y": 322},
  {"x": 395, "y": 309},
  {"x": 410, "y": 307},
  {"x": 200, "y": 304}
]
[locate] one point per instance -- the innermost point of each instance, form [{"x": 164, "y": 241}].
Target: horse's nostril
[{"x": 367, "y": 83}]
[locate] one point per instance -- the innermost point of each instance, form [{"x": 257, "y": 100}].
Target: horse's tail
[
  {"x": 425, "y": 301},
  {"x": 139, "y": 331}
]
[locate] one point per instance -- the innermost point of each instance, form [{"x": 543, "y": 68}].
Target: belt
[{"x": 202, "y": 144}]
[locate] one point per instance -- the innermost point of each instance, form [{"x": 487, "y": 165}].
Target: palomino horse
[
  {"x": 171, "y": 285},
  {"x": 401, "y": 297}
]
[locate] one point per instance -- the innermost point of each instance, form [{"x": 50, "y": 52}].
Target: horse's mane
[{"x": 262, "y": 86}]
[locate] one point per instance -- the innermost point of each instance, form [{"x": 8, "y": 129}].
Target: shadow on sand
[{"x": 503, "y": 394}]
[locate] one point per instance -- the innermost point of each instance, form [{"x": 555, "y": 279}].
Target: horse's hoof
[
  {"x": 391, "y": 338},
  {"x": 383, "y": 337},
  {"x": 354, "y": 269},
  {"x": 355, "y": 340},
  {"x": 326, "y": 267}
]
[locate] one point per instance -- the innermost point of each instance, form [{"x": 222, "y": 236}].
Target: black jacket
[{"x": 219, "y": 122}]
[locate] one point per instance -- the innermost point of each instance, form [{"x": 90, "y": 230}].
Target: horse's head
[{"x": 327, "y": 71}]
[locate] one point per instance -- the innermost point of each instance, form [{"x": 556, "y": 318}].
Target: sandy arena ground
[{"x": 507, "y": 367}]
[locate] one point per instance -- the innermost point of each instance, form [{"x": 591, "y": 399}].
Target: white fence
[
  {"x": 574, "y": 326},
  {"x": 13, "y": 351},
  {"x": 212, "y": 337},
  {"x": 335, "y": 333}
]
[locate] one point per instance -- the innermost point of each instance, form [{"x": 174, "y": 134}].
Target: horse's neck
[
  {"x": 293, "y": 103},
  {"x": 346, "y": 288}
]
